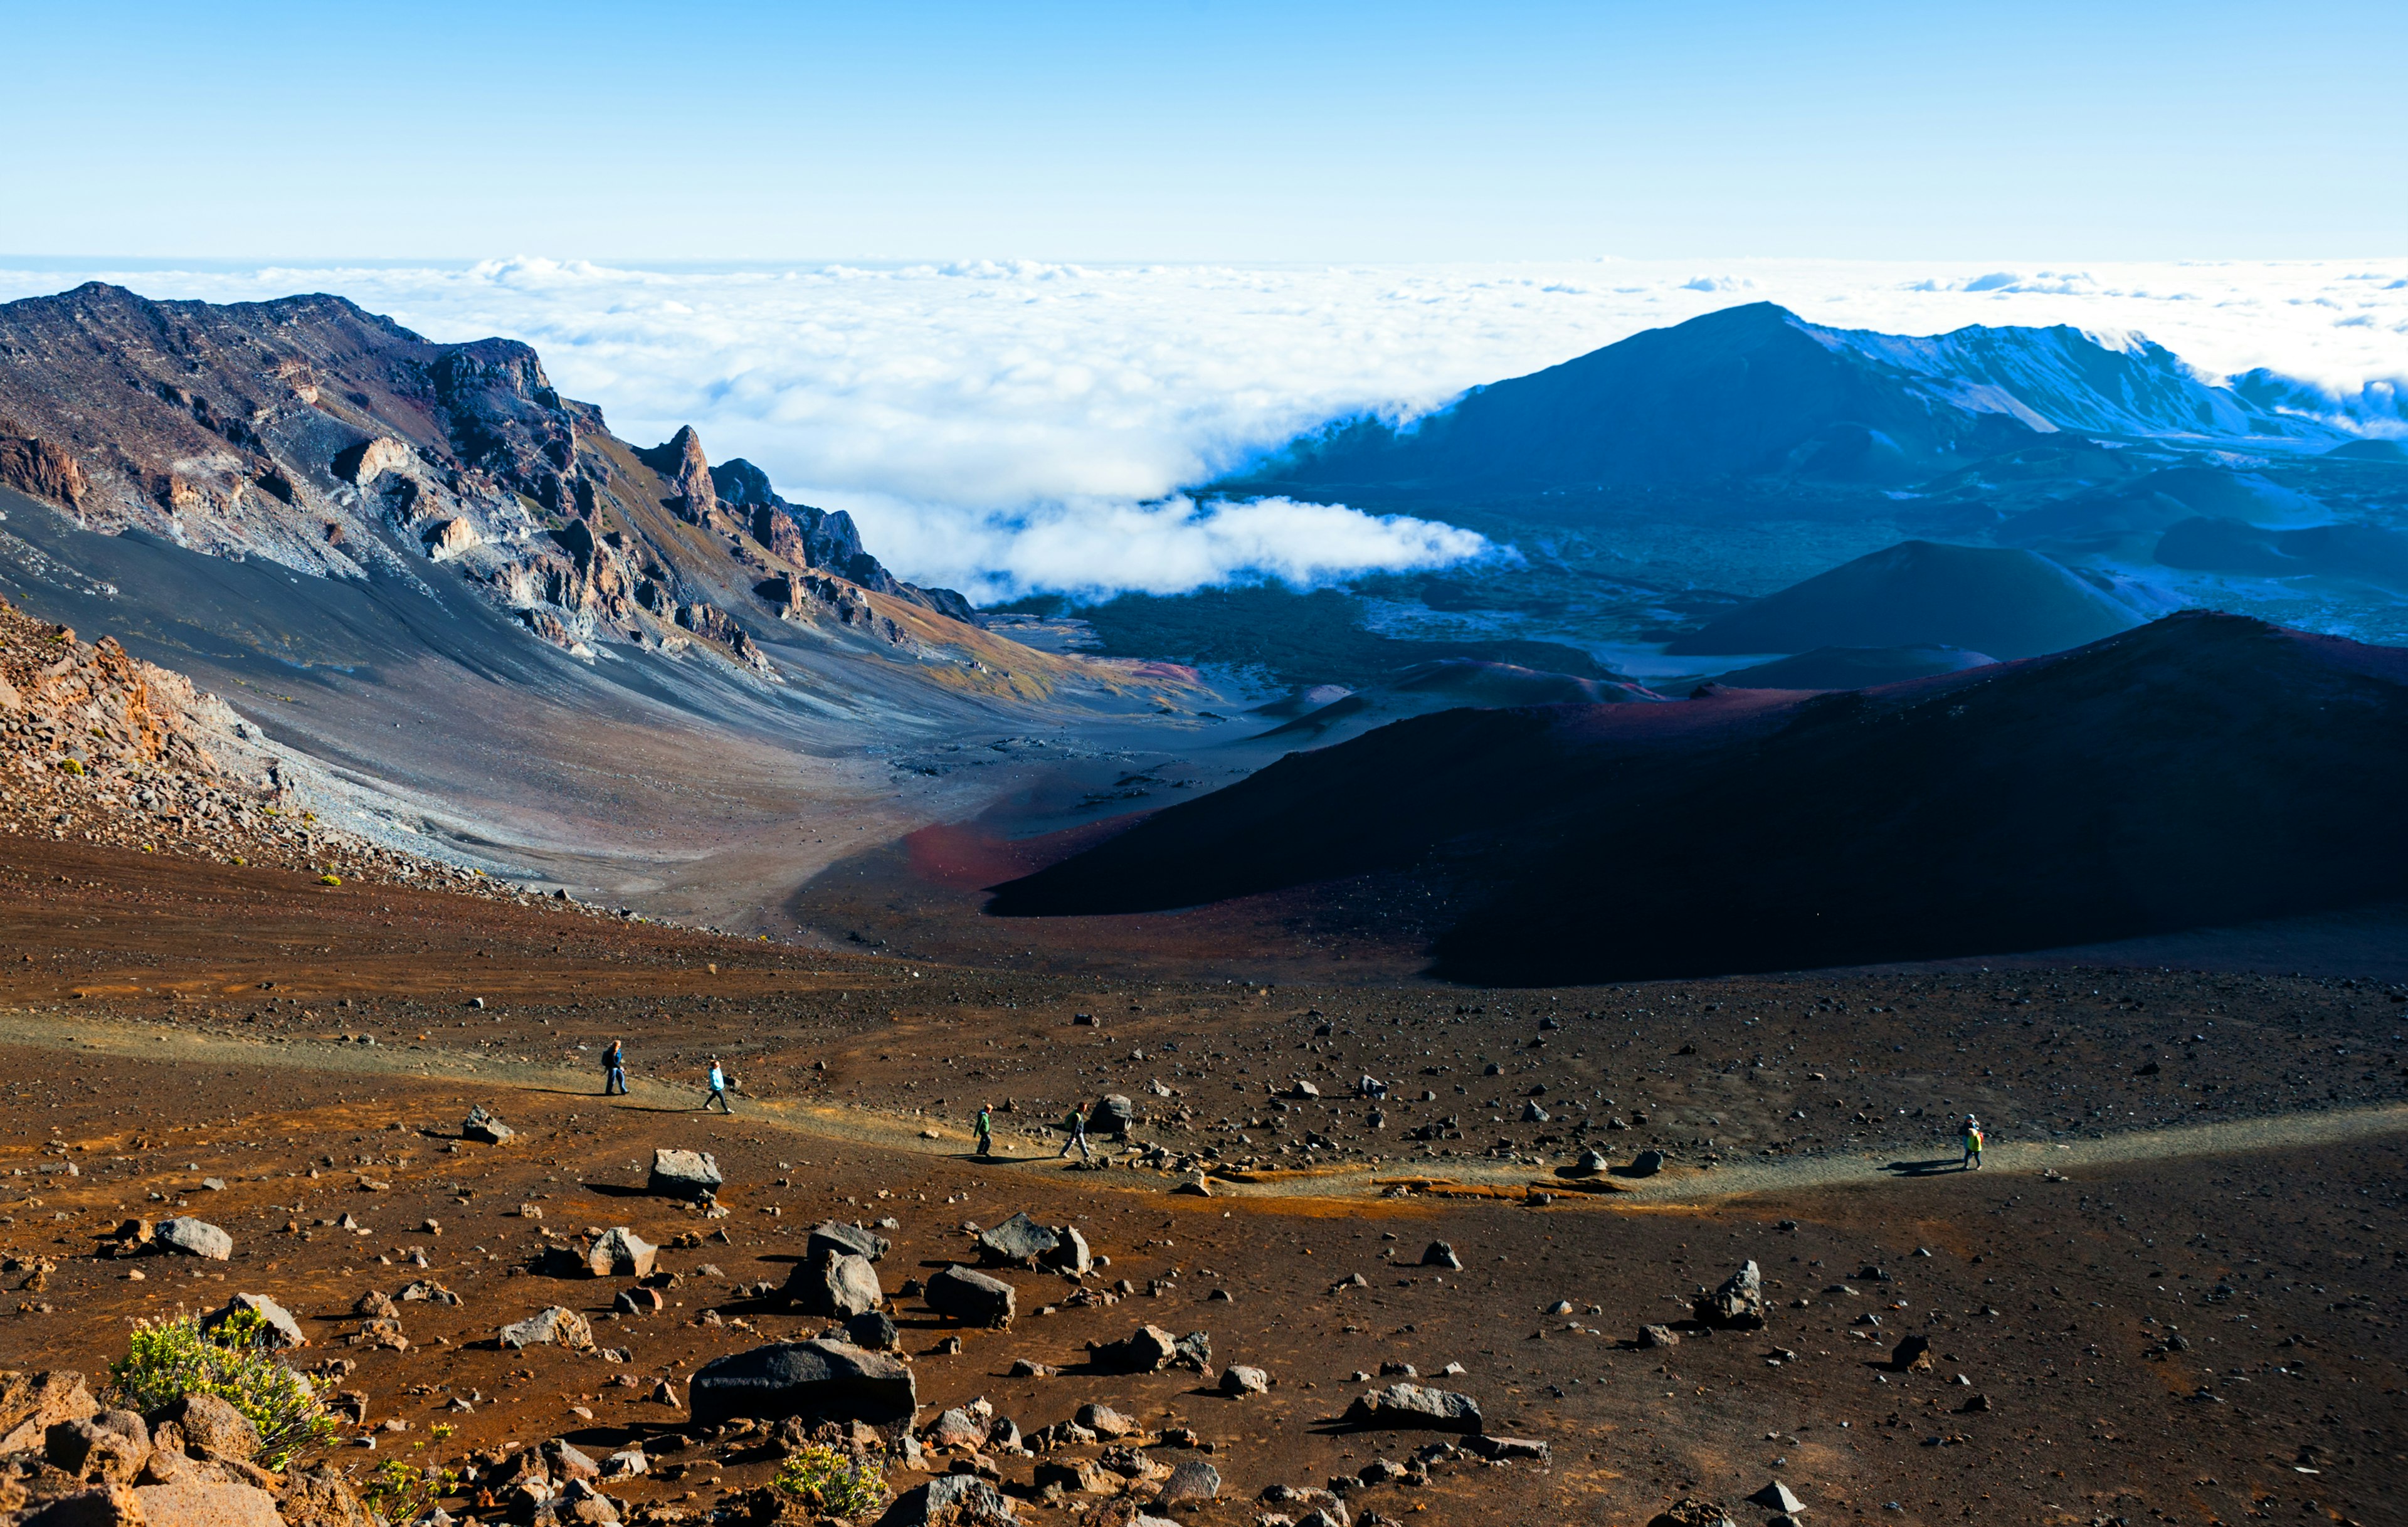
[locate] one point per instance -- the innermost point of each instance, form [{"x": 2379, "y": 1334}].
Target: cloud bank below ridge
[{"x": 1008, "y": 426}]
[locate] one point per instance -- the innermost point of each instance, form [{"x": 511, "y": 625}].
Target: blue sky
[{"x": 1206, "y": 130}]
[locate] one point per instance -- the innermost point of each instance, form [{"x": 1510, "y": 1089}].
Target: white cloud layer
[{"x": 998, "y": 427}]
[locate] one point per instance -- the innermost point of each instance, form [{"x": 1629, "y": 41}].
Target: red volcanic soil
[
  {"x": 2170, "y": 1290},
  {"x": 2206, "y": 769}
]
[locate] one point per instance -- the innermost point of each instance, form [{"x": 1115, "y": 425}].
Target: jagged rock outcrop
[{"x": 336, "y": 442}]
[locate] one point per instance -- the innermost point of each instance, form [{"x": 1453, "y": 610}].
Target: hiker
[
  {"x": 717, "y": 1088},
  {"x": 1972, "y": 1144},
  {"x": 985, "y": 1127},
  {"x": 1076, "y": 1123},
  {"x": 614, "y": 1068}
]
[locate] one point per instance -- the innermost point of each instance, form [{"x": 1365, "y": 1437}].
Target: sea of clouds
[{"x": 1003, "y": 428}]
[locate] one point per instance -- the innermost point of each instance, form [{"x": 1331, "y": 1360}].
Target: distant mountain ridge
[{"x": 1756, "y": 390}]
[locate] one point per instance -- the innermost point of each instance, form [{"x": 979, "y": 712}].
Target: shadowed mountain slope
[
  {"x": 2203, "y": 769},
  {"x": 2005, "y": 603},
  {"x": 1757, "y": 389}
]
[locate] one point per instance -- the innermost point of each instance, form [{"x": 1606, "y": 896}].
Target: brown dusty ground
[{"x": 162, "y": 1023}]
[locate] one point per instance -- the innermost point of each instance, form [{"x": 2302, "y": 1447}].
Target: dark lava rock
[
  {"x": 852, "y": 1240},
  {"x": 834, "y": 1283},
  {"x": 962, "y": 1295},
  {"x": 1440, "y": 1253},
  {"x": 820, "y": 1381},
  {"x": 485, "y": 1124},
  {"x": 1018, "y": 1242},
  {"x": 1738, "y": 1304},
  {"x": 1415, "y": 1405},
  {"x": 1647, "y": 1163}
]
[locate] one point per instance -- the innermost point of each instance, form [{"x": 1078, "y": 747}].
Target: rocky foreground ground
[{"x": 1323, "y": 1194}]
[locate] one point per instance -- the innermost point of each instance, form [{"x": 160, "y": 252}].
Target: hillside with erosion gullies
[{"x": 519, "y": 643}]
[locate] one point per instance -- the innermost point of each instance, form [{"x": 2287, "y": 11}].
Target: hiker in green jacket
[{"x": 985, "y": 1127}]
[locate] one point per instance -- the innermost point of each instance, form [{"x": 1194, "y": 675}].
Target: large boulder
[
  {"x": 1145, "y": 1351},
  {"x": 1018, "y": 1242},
  {"x": 1738, "y": 1304},
  {"x": 485, "y": 1124},
  {"x": 1415, "y": 1405},
  {"x": 849, "y": 1240},
  {"x": 1112, "y": 1115},
  {"x": 211, "y": 1426},
  {"x": 961, "y": 1294},
  {"x": 1071, "y": 1255},
  {"x": 321, "y": 1497},
  {"x": 278, "y": 1329},
  {"x": 834, "y": 1283},
  {"x": 1191, "y": 1483},
  {"x": 195, "y": 1238},
  {"x": 1912, "y": 1355},
  {"x": 1238, "y": 1379},
  {"x": 953, "y": 1500},
  {"x": 685, "y": 1173},
  {"x": 1647, "y": 1163},
  {"x": 31, "y": 1403},
  {"x": 819, "y": 1381},
  {"x": 620, "y": 1252},
  {"x": 111, "y": 1446},
  {"x": 193, "y": 1500},
  {"x": 558, "y": 1325}
]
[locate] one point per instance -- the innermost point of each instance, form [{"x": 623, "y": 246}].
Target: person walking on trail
[
  {"x": 614, "y": 1068},
  {"x": 717, "y": 1088},
  {"x": 1076, "y": 1123},
  {"x": 985, "y": 1127},
  {"x": 1972, "y": 1142}
]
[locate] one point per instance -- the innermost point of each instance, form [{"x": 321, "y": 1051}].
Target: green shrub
[
  {"x": 833, "y": 1484},
  {"x": 167, "y": 1360},
  {"x": 401, "y": 1490}
]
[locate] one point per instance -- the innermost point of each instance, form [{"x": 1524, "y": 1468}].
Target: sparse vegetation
[
  {"x": 169, "y": 1359},
  {"x": 832, "y": 1483}
]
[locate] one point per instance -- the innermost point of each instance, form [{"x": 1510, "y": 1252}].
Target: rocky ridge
[{"x": 335, "y": 442}]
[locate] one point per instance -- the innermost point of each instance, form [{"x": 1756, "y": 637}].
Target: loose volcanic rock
[
  {"x": 278, "y": 1329},
  {"x": 1018, "y": 1242},
  {"x": 956, "y": 1500},
  {"x": 1512, "y": 1448},
  {"x": 1104, "y": 1421},
  {"x": 112, "y": 1447},
  {"x": 961, "y": 1294},
  {"x": 31, "y": 1403},
  {"x": 1069, "y": 1255},
  {"x": 1659, "y": 1336},
  {"x": 1415, "y": 1405},
  {"x": 873, "y": 1331},
  {"x": 1592, "y": 1162},
  {"x": 1440, "y": 1253},
  {"x": 1692, "y": 1511},
  {"x": 818, "y": 1380},
  {"x": 428, "y": 1292},
  {"x": 1647, "y": 1163},
  {"x": 1738, "y": 1304},
  {"x": 1113, "y": 1114},
  {"x": 485, "y": 1124},
  {"x": 1145, "y": 1351},
  {"x": 685, "y": 1173},
  {"x": 620, "y": 1252},
  {"x": 1238, "y": 1379},
  {"x": 1913, "y": 1354},
  {"x": 849, "y": 1240},
  {"x": 558, "y": 1325},
  {"x": 1193, "y": 1481},
  {"x": 834, "y": 1283},
  {"x": 195, "y": 1238},
  {"x": 1777, "y": 1496}
]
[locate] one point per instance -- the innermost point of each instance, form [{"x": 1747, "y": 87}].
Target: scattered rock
[
  {"x": 1145, "y": 1351},
  {"x": 212, "y": 1427},
  {"x": 1777, "y": 1496},
  {"x": 1659, "y": 1336},
  {"x": 1018, "y": 1242},
  {"x": 685, "y": 1173},
  {"x": 1646, "y": 1164},
  {"x": 819, "y": 1381},
  {"x": 1440, "y": 1253},
  {"x": 278, "y": 1330},
  {"x": 873, "y": 1331},
  {"x": 1190, "y": 1482},
  {"x": 849, "y": 1240},
  {"x": 1738, "y": 1304},
  {"x": 558, "y": 1325},
  {"x": 321, "y": 1497},
  {"x": 1532, "y": 1449},
  {"x": 961, "y": 1294},
  {"x": 1912, "y": 1355},
  {"x": 200, "y": 1501},
  {"x": 1104, "y": 1421},
  {"x": 1238, "y": 1379},
  {"x": 1415, "y": 1405},
  {"x": 486, "y": 1126},
  {"x": 195, "y": 1238},
  {"x": 956, "y": 1500},
  {"x": 1113, "y": 1114},
  {"x": 620, "y": 1252},
  {"x": 838, "y": 1283},
  {"x": 1692, "y": 1511}
]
